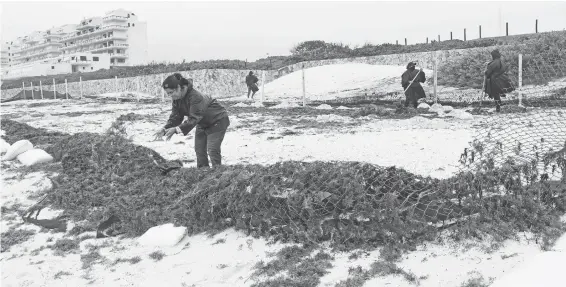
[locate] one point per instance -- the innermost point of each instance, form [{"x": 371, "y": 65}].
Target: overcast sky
[{"x": 250, "y": 30}]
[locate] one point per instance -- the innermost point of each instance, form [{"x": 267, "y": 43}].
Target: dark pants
[
  {"x": 497, "y": 99},
  {"x": 252, "y": 88},
  {"x": 210, "y": 139}
]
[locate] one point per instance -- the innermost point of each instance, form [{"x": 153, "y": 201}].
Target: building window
[
  {"x": 83, "y": 58},
  {"x": 121, "y": 61},
  {"x": 91, "y": 68},
  {"x": 72, "y": 58},
  {"x": 128, "y": 24},
  {"x": 133, "y": 25},
  {"x": 83, "y": 68},
  {"x": 52, "y": 67},
  {"x": 95, "y": 59},
  {"x": 128, "y": 15},
  {"x": 118, "y": 51}
]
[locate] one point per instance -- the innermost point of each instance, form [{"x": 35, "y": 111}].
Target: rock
[
  {"x": 34, "y": 156},
  {"x": 4, "y": 146},
  {"x": 165, "y": 235},
  {"x": 424, "y": 106},
  {"x": 17, "y": 148}
]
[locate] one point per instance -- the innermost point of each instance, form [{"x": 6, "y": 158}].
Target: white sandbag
[
  {"x": 165, "y": 235},
  {"x": 447, "y": 109},
  {"x": 17, "y": 148},
  {"x": 437, "y": 108},
  {"x": 424, "y": 106},
  {"x": 4, "y": 146},
  {"x": 34, "y": 156}
]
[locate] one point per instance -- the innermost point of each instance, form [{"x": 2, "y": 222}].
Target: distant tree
[{"x": 308, "y": 46}]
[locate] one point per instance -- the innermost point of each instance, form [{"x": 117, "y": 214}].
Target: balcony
[
  {"x": 113, "y": 46},
  {"x": 115, "y": 17},
  {"x": 86, "y": 25},
  {"x": 118, "y": 55},
  {"x": 42, "y": 45},
  {"x": 40, "y": 53},
  {"x": 94, "y": 41},
  {"x": 102, "y": 29}
]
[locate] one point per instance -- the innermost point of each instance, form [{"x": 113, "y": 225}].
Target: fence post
[
  {"x": 480, "y": 31},
  {"x": 435, "y": 73},
  {"x": 66, "y": 90},
  {"x": 536, "y": 26},
  {"x": 262, "y": 98},
  {"x": 438, "y": 38},
  {"x": 464, "y": 34},
  {"x": 138, "y": 88},
  {"x": 31, "y": 86},
  {"x": 54, "y": 90},
  {"x": 116, "y": 85},
  {"x": 450, "y": 35},
  {"x": 81, "y": 86},
  {"x": 506, "y": 28},
  {"x": 162, "y": 91},
  {"x": 520, "y": 80},
  {"x": 304, "y": 92},
  {"x": 405, "y": 41},
  {"x": 24, "y": 89},
  {"x": 41, "y": 89}
]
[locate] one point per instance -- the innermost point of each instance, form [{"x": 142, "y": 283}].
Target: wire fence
[{"x": 513, "y": 173}]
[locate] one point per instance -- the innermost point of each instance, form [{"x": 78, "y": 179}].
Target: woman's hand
[
  {"x": 169, "y": 133},
  {"x": 159, "y": 134}
]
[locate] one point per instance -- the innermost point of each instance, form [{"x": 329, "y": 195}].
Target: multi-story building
[{"x": 119, "y": 35}]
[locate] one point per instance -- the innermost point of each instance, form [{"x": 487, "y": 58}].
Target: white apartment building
[{"x": 118, "y": 37}]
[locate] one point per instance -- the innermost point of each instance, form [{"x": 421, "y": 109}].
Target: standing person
[
  {"x": 415, "y": 90},
  {"x": 251, "y": 82},
  {"x": 205, "y": 113},
  {"x": 497, "y": 83}
]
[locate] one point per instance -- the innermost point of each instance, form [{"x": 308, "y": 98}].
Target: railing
[
  {"x": 95, "y": 40},
  {"x": 45, "y": 44},
  {"x": 36, "y": 54},
  {"x": 103, "y": 28},
  {"x": 115, "y": 17}
]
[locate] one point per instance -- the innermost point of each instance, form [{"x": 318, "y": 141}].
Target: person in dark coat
[
  {"x": 497, "y": 83},
  {"x": 415, "y": 91},
  {"x": 208, "y": 116},
  {"x": 251, "y": 82}
]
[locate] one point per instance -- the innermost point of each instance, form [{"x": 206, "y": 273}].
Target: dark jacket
[
  {"x": 409, "y": 75},
  {"x": 415, "y": 91},
  {"x": 251, "y": 79},
  {"x": 496, "y": 80},
  {"x": 202, "y": 110}
]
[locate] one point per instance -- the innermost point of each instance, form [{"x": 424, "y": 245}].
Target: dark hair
[
  {"x": 174, "y": 81},
  {"x": 251, "y": 73}
]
